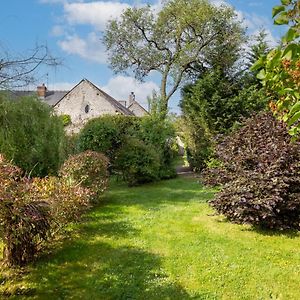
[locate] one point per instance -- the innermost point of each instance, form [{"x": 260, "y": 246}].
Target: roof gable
[
  {"x": 118, "y": 106},
  {"x": 135, "y": 104}
]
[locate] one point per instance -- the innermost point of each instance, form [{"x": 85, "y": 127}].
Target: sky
[{"x": 72, "y": 31}]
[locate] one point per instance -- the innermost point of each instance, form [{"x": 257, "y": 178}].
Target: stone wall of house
[
  {"x": 83, "y": 103},
  {"x": 137, "y": 110}
]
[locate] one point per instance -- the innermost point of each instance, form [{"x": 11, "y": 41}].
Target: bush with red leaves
[{"x": 262, "y": 167}]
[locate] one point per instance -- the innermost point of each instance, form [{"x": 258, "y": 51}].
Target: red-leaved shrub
[
  {"x": 32, "y": 210},
  {"x": 262, "y": 167}
]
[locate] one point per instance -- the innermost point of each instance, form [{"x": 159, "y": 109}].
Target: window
[{"x": 87, "y": 108}]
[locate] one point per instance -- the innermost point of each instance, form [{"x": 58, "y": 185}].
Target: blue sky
[{"x": 72, "y": 29}]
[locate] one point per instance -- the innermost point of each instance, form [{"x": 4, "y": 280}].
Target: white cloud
[
  {"x": 95, "y": 14},
  {"x": 90, "y": 48},
  {"x": 57, "y": 30},
  {"x": 120, "y": 87}
]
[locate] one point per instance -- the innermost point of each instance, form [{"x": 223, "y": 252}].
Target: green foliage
[
  {"x": 32, "y": 136},
  {"x": 262, "y": 168},
  {"x": 105, "y": 134},
  {"x": 279, "y": 70},
  {"x": 109, "y": 134},
  {"x": 160, "y": 134},
  {"x": 178, "y": 39},
  {"x": 215, "y": 104},
  {"x": 88, "y": 169},
  {"x": 139, "y": 163},
  {"x": 66, "y": 119}
]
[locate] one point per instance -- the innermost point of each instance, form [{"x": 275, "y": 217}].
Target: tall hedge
[{"x": 31, "y": 136}]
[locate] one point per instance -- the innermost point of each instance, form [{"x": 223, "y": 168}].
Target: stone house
[{"x": 86, "y": 101}]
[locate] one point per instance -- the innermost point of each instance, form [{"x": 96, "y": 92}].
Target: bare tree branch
[{"x": 19, "y": 70}]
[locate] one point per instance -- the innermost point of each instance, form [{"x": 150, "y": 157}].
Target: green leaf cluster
[
  {"x": 279, "y": 71},
  {"x": 151, "y": 134},
  {"x": 31, "y": 135}
]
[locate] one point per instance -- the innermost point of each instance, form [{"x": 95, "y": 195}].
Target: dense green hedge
[
  {"x": 31, "y": 136},
  {"x": 112, "y": 136},
  {"x": 105, "y": 134}
]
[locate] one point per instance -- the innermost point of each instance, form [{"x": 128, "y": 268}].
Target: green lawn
[{"x": 160, "y": 241}]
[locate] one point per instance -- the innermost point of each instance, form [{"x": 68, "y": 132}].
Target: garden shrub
[
  {"x": 22, "y": 222},
  {"x": 262, "y": 166},
  {"x": 138, "y": 162},
  {"x": 160, "y": 134},
  {"x": 88, "y": 169},
  {"x": 32, "y": 210},
  {"x": 66, "y": 199},
  {"x": 108, "y": 134},
  {"x": 32, "y": 136},
  {"x": 105, "y": 134}
]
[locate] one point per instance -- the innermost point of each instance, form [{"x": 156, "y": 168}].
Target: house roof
[
  {"x": 51, "y": 98},
  {"x": 135, "y": 103},
  {"x": 118, "y": 106}
]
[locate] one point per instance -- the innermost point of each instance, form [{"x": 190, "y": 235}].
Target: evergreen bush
[
  {"x": 31, "y": 136},
  {"x": 105, "y": 134},
  {"x": 138, "y": 162}
]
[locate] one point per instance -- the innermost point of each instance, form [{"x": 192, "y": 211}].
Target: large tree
[{"x": 183, "y": 37}]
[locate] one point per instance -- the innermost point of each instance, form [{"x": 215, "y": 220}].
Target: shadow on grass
[
  {"x": 99, "y": 271},
  {"x": 272, "y": 232},
  {"x": 164, "y": 192},
  {"x": 262, "y": 231},
  {"x": 88, "y": 268}
]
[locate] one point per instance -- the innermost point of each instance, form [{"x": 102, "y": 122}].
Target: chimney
[
  {"x": 131, "y": 98},
  {"x": 41, "y": 91}
]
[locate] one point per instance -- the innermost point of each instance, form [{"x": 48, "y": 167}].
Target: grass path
[{"x": 160, "y": 241}]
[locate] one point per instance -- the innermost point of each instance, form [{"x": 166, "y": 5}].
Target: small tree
[{"x": 174, "y": 42}]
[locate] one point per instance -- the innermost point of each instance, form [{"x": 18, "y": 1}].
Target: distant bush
[
  {"x": 138, "y": 162},
  {"x": 109, "y": 134},
  {"x": 105, "y": 134},
  {"x": 66, "y": 119},
  {"x": 262, "y": 166},
  {"x": 88, "y": 169},
  {"x": 160, "y": 134},
  {"x": 32, "y": 136}
]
